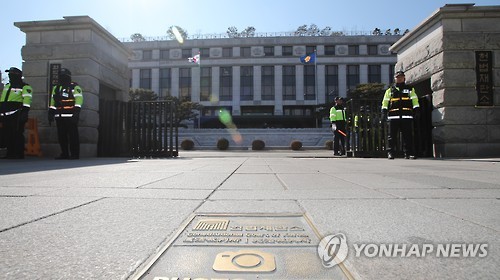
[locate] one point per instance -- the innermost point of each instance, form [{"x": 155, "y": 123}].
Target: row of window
[
  {"x": 268, "y": 51},
  {"x": 289, "y": 88}
]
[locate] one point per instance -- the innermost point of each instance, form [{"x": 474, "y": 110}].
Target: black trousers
[
  {"x": 338, "y": 138},
  {"x": 406, "y": 128},
  {"x": 69, "y": 140},
  {"x": 13, "y": 135}
]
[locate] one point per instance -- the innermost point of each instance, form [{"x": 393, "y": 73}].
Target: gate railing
[{"x": 138, "y": 129}]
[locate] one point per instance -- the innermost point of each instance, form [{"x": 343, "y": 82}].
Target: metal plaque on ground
[{"x": 242, "y": 247}]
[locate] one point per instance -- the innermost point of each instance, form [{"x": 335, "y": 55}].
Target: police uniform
[
  {"x": 15, "y": 103},
  {"x": 399, "y": 106},
  {"x": 65, "y": 104},
  {"x": 338, "y": 120}
]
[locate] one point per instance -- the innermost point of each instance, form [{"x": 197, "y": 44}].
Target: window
[
  {"x": 289, "y": 83},
  {"x": 164, "y": 54},
  {"x": 310, "y": 49},
  {"x": 372, "y": 50},
  {"x": 145, "y": 78},
  {"x": 287, "y": 51},
  {"x": 185, "y": 83},
  {"x": 309, "y": 82},
  {"x": 374, "y": 75},
  {"x": 227, "y": 52},
  {"x": 353, "y": 50},
  {"x": 205, "y": 83},
  {"x": 352, "y": 76},
  {"x": 246, "y": 83},
  {"x": 186, "y": 53},
  {"x": 245, "y": 52},
  {"x": 269, "y": 51},
  {"x": 147, "y": 55},
  {"x": 205, "y": 52},
  {"x": 165, "y": 81},
  {"x": 226, "y": 84},
  {"x": 329, "y": 50},
  {"x": 267, "y": 82},
  {"x": 331, "y": 82}
]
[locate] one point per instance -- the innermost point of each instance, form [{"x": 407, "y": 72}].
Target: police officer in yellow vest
[
  {"x": 338, "y": 120},
  {"x": 399, "y": 107},
  {"x": 15, "y": 103},
  {"x": 65, "y": 104}
]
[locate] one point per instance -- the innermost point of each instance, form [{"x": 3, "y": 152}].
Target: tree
[
  {"x": 367, "y": 91},
  {"x": 301, "y": 30},
  {"x": 185, "y": 109},
  {"x": 137, "y": 37},
  {"x": 248, "y": 32},
  {"x": 327, "y": 31},
  {"x": 141, "y": 94},
  {"x": 171, "y": 35},
  {"x": 313, "y": 30},
  {"x": 232, "y": 32}
]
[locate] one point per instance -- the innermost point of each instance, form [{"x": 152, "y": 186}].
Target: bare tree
[
  {"x": 301, "y": 30},
  {"x": 232, "y": 32},
  {"x": 327, "y": 31},
  {"x": 248, "y": 32},
  {"x": 313, "y": 30}
]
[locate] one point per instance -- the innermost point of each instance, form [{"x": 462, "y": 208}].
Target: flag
[
  {"x": 195, "y": 59},
  {"x": 308, "y": 59}
]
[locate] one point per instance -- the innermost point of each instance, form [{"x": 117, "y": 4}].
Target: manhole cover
[{"x": 241, "y": 247}]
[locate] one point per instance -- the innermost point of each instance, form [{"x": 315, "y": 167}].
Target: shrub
[
  {"x": 222, "y": 144},
  {"x": 329, "y": 144},
  {"x": 258, "y": 145},
  {"x": 296, "y": 145},
  {"x": 187, "y": 144}
]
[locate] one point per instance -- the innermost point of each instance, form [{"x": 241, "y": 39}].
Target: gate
[
  {"x": 137, "y": 129},
  {"x": 367, "y": 132}
]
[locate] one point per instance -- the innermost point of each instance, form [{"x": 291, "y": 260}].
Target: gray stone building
[
  {"x": 262, "y": 75},
  {"x": 455, "y": 55}
]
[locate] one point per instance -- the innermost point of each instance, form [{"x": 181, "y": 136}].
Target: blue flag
[{"x": 308, "y": 58}]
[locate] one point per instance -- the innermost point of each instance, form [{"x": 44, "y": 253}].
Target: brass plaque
[{"x": 244, "y": 261}]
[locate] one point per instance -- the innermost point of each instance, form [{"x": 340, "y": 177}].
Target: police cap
[
  {"x": 14, "y": 70},
  {"x": 339, "y": 98},
  {"x": 399, "y": 73},
  {"x": 64, "y": 71}
]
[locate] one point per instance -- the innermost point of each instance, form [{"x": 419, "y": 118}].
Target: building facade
[{"x": 262, "y": 76}]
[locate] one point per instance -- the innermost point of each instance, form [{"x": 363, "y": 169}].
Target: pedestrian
[
  {"x": 15, "y": 103},
  {"x": 65, "y": 106},
  {"x": 338, "y": 119},
  {"x": 399, "y": 107}
]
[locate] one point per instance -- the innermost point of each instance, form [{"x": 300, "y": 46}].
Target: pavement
[{"x": 106, "y": 218}]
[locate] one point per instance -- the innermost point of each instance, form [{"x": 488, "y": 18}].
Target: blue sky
[{"x": 153, "y": 17}]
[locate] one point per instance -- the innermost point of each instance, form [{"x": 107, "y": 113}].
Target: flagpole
[{"x": 315, "y": 87}]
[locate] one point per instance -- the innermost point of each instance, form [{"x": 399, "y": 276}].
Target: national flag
[
  {"x": 308, "y": 58},
  {"x": 195, "y": 59}
]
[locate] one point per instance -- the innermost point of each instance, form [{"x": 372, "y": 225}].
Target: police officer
[
  {"x": 65, "y": 106},
  {"x": 399, "y": 107},
  {"x": 15, "y": 103},
  {"x": 338, "y": 119}
]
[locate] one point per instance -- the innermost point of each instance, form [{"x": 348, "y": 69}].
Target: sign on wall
[
  {"x": 53, "y": 77},
  {"x": 484, "y": 78}
]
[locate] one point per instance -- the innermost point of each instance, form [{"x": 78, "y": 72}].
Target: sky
[{"x": 152, "y": 18}]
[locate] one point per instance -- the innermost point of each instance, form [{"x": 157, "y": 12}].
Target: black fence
[
  {"x": 137, "y": 129},
  {"x": 367, "y": 132}
]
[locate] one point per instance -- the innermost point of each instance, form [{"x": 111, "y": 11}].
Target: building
[{"x": 262, "y": 75}]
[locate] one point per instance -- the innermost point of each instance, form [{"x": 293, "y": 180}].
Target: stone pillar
[{"x": 95, "y": 58}]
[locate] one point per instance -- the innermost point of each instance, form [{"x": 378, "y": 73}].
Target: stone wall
[
  {"x": 442, "y": 49},
  {"x": 97, "y": 60}
]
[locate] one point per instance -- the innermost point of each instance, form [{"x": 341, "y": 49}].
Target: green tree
[
  {"x": 141, "y": 94},
  {"x": 185, "y": 109},
  {"x": 171, "y": 35},
  {"x": 137, "y": 37},
  {"x": 367, "y": 91}
]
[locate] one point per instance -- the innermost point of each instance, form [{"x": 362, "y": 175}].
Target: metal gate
[
  {"x": 367, "y": 132},
  {"x": 137, "y": 129}
]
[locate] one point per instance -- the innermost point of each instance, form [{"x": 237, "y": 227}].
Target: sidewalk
[{"x": 107, "y": 218}]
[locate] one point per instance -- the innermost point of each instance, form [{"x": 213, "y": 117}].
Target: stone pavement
[{"x": 107, "y": 218}]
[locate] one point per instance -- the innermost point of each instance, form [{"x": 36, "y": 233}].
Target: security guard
[
  {"x": 15, "y": 103},
  {"x": 399, "y": 107},
  {"x": 338, "y": 119},
  {"x": 65, "y": 106}
]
